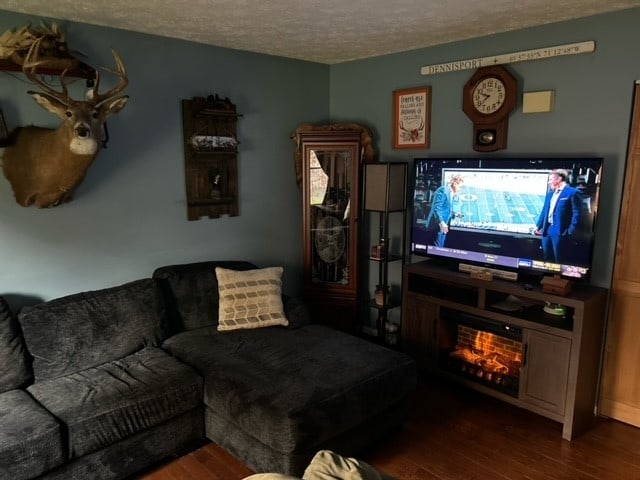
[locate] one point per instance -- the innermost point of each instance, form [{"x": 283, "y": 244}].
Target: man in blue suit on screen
[
  {"x": 442, "y": 208},
  {"x": 559, "y": 218}
]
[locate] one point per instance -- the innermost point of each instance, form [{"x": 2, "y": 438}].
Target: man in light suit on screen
[{"x": 442, "y": 209}]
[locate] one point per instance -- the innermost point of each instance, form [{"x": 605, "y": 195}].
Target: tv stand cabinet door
[
  {"x": 419, "y": 331},
  {"x": 544, "y": 374}
]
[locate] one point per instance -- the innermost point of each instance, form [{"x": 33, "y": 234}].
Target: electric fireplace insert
[{"x": 482, "y": 350}]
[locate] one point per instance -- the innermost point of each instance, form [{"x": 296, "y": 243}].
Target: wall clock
[{"x": 488, "y": 98}]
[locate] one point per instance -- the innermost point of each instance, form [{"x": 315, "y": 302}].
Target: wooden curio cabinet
[
  {"x": 210, "y": 152},
  {"x": 331, "y": 171}
]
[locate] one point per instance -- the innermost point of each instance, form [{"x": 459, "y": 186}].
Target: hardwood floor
[{"x": 454, "y": 433}]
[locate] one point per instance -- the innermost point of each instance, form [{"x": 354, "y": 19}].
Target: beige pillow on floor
[
  {"x": 271, "y": 476},
  {"x": 328, "y": 465},
  {"x": 250, "y": 298}
]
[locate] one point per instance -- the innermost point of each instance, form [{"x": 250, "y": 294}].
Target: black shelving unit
[{"x": 385, "y": 197}]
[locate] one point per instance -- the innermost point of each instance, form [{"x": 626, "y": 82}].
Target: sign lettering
[{"x": 538, "y": 54}]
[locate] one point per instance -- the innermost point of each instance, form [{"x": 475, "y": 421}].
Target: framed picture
[{"x": 412, "y": 118}]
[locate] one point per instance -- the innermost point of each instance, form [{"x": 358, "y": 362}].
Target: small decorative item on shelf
[
  {"x": 380, "y": 295},
  {"x": 377, "y": 252},
  {"x": 391, "y": 334}
]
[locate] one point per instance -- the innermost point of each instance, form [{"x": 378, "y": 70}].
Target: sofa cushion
[
  {"x": 87, "y": 329},
  {"x": 292, "y": 389},
  {"x": 15, "y": 371},
  {"x": 110, "y": 402},
  {"x": 30, "y": 438},
  {"x": 191, "y": 292},
  {"x": 250, "y": 298}
]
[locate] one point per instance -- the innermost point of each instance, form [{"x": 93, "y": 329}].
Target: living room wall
[
  {"x": 129, "y": 215},
  {"x": 593, "y": 96}
]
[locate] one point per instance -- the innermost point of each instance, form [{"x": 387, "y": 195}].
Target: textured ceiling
[{"x": 325, "y": 31}]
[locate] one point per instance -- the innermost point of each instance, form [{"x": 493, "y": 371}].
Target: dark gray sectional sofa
[{"x": 105, "y": 383}]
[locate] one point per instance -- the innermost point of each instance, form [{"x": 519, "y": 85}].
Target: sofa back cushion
[
  {"x": 191, "y": 292},
  {"x": 87, "y": 329},
  {"x": 15, "y": 370}
]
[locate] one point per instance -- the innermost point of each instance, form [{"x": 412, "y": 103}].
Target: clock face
[
  {"x": 330, "y": 240},
  {"x": 489, "y": 95}
]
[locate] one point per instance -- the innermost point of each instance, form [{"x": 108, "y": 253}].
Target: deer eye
[{"x": 68, "y": 114}]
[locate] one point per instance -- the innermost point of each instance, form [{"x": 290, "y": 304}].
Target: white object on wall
[
  {"x": 538, "y": 102},
  {"x": 537, "y": 54}
]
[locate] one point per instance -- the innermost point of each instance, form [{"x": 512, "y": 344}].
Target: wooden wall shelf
[
  {"x": 210, "y": 153},
  {"x": 84, "y": 70}
]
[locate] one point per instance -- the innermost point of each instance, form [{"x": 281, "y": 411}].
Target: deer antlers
[
  {"x": 32, "y": 61},
  {"x": 97, "y": 97}
]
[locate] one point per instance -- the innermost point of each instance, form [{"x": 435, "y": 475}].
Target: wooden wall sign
[{"x": 525, "y": 55}]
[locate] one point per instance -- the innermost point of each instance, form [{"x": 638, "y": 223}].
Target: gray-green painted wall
[
  {"x": 593, "y": 99},
  {"x": 129, "y": 215}
]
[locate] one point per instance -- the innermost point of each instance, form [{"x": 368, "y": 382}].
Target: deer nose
[{"x": 83, "y": 132}]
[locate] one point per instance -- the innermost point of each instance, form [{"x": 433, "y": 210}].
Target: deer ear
[
  {"x": 114, "y": 105},
  {"x": 49, "y": 103}
]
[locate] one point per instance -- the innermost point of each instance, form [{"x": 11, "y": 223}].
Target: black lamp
[
  {"x": 385, "y": 185},
  {"x": 384, "y": 192}
]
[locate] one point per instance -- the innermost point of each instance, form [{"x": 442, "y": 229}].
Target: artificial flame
[
  {"x": 485, "y": 342},
  {"x": 488, "y": 354}
]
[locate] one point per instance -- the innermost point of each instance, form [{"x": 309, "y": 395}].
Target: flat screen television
[{"x": 496, "y": 219}]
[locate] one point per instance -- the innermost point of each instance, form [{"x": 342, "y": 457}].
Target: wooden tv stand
[{"x": 561, "y": 354}]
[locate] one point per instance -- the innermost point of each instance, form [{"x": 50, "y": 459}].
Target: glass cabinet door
[
  {"x": 331, "y": 191},
  {"x": 329, "y": 206}
]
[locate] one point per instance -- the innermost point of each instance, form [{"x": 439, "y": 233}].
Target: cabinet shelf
[
  {"x": 390, "y": 258},
  {"x": 389, "y": 306},
  {"x": 212, "y": 201},
  {"x": 206, "y": 156},
  {"x": 561, "y": 354},
  {"x": 206, "y": 112}
]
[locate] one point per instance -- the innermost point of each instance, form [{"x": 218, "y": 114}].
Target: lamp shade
[{"x": 385, "y": 186}]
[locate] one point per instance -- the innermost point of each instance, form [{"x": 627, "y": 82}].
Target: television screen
[{"x": 521, "y": 214}]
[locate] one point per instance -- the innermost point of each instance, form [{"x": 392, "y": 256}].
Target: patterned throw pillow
[{"x": 250, "y": 298}]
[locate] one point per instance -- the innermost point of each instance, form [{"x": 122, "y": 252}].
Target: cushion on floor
[
  {"x": 30, "y": 438},
  {"x": 110, "y": 402},
  {"x": 328, "y": 465}
]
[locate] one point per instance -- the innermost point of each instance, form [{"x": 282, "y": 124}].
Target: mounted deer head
[{"x": 45, "y": 166}]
